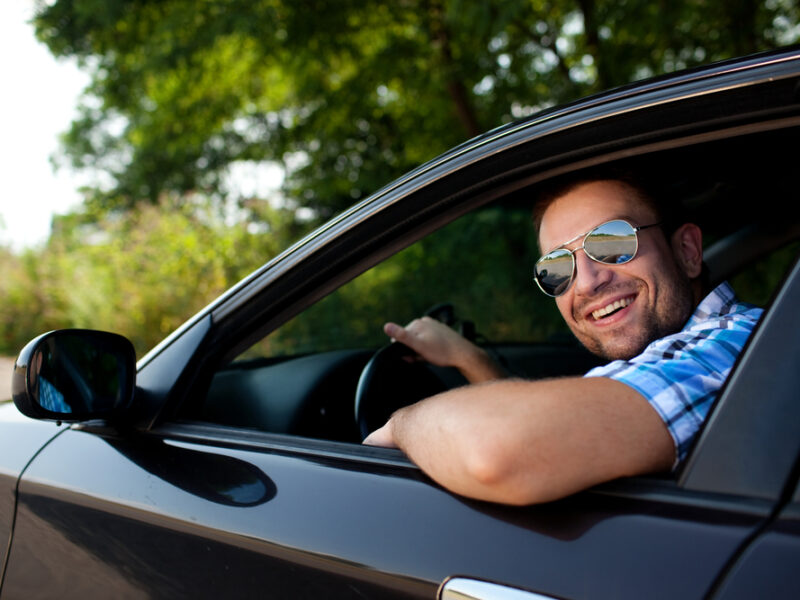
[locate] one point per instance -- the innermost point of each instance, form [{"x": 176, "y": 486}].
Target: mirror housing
[{"x": 74, "y": 375}]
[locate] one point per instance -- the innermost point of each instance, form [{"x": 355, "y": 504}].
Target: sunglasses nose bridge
[
  {"x": 588, "y": 272},
  {"x": 587, "y": 260},
  {"x": 581, "y": 245},
  {"x": 574, "y": 253}
]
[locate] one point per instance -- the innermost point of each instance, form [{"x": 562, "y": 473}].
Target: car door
[
  {"x": 768, "y": 567},
  {"x": 193, "y": 510},
  {"x": 20, "y": 439},
  {"x": 190, "y": 509},
  {"x": 210, "y": 512}
]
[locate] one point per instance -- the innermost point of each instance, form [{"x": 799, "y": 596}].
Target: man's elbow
[{"x": 496, "y": 476}]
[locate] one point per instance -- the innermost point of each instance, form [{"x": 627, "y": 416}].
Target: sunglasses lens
[
  {"x": 553, "y": 272},
  {"x": 612, "y": 243}
]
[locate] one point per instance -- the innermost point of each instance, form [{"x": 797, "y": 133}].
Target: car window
[
  {"x": 480, "y": 264},
  {"x": 302, "y": 378},
  {"x": 758, "y": 283}
]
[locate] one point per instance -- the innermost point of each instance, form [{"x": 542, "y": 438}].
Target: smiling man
[{"x": 630, "y": 287}]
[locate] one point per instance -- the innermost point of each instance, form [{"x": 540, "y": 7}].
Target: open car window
[
  {"x": 480, "y": 265},
  {"x": 301, "y": 378},
  {"x": 475, "y": 274},
  {"x": 758, "y": 283}
]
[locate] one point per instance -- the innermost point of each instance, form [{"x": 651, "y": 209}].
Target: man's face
[{"x": 654, "y": 293}]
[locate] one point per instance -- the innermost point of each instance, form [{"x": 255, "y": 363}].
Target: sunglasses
[{"x": 612, "y": 243}]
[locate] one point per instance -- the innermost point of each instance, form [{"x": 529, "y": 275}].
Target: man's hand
[
  {"x": 438, "y": 344},
  {"x": 381, "y": 437}
]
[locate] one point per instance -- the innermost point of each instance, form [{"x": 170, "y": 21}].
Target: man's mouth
[{"x": 611, "y": 308}]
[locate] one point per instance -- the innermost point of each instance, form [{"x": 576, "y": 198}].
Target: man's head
[{"x": 617, "y": 310}]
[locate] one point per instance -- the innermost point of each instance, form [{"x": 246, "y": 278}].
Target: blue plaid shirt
[{"x": 681, "y": 374}]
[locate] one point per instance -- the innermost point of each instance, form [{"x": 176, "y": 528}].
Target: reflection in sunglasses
[{"x": 612, "y": 243}]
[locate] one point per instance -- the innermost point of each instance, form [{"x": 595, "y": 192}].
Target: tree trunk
[{"x": 456, "y": 89}]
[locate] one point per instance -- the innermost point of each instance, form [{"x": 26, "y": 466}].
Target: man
[{"x": 671, "y": 344}]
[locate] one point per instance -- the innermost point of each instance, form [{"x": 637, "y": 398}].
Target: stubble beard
[{"x": 674, "y": 309}]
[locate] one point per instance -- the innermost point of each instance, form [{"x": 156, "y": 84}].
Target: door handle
[{"x": 464, "y": 588}]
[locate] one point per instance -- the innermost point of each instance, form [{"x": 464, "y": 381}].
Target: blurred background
[{"x": 153, "y": 153}]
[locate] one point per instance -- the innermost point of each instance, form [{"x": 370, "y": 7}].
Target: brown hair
[
  {"x": 557, "y": 188},
  {"x": 666, "y": 212}
]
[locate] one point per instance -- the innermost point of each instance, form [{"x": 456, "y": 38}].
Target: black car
[{"x": 227, "y": 462}]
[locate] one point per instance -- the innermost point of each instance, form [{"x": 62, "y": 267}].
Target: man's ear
[{"x": 687, "y": 247}]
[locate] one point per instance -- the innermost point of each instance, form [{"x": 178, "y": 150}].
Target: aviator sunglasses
[{"x": 612, "y": 243}]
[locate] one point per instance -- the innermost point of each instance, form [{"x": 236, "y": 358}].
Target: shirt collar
[{"x": 715, "y": 303}]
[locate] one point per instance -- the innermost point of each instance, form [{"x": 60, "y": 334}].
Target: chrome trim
[
  {"x": 463, "y": 588},
  {"x": 255, "y": 440}
]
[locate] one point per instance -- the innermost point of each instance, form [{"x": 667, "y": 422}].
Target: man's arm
[
  {"x": 440, "y": 345},
  {"x": 523, "y": 442}
]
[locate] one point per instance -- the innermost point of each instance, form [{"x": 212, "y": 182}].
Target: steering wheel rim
[{"x": 392, "y": 378}]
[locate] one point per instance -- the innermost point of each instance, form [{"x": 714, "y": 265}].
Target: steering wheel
[{"x": 395, "y": 377}]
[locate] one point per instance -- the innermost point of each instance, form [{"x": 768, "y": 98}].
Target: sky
[{"x": 38, "y": 99}]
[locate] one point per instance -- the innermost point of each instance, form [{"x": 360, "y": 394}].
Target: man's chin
[
  {"x": 620, "y": 354},
  {"x": 615, "y": 349}
]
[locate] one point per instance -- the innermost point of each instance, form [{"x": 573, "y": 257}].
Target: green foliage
[
  {"x": 24, "y": 309},
  {"x": 140, "y": 273},
  {"x": 350, "y": 94},
  {"x": 347, "y": 96},
  {"x": 481, "y": 264},
  {"x": 758, "y": 283}
]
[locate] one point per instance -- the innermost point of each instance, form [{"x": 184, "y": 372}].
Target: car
[{"x": 227, "y": 462}]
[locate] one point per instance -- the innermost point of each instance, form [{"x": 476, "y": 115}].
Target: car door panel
[
  {"x": 136, "y": 533},
  {"x": 289, "y": 524},
  {"x": 768, "y": 567},
  {"x": 20, "y": 439}
]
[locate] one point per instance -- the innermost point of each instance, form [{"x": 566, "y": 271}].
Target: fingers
[
  {"x": 381, "y": 437},
  {"x": 413, "y": 335},
  {"x": 442, "y": 346},
  {"x": 394, "y": 331},
  {"x": 418, "y": 329},
  {"x": 433, "y": 341}
]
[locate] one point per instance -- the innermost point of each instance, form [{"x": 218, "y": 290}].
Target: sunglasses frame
[{"x": 571, "y": 253}]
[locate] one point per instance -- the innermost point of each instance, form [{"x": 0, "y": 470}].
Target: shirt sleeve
[{"x": 680, "y": 375}]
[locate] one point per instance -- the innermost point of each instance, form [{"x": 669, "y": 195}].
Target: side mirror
[{"x": 74, "y": 375}]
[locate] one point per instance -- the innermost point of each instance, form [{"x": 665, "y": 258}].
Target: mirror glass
[{"x": 81, "y": 373}]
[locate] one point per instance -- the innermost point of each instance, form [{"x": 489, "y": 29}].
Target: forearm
[
  {"x": 477, "y": 366},
  {"x": 462, "y": 439},
  {"x": 522, "y": 442}
]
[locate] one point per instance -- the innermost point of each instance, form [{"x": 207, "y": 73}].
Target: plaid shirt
[
  {"x": 681, "y": 374},
  {"x": 50, "y": 398}
]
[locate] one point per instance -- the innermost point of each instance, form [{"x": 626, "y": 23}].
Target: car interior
[{"x": 330, "y": 373}]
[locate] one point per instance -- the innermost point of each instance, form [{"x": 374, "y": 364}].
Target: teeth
[{"x": 602, "y": 312}]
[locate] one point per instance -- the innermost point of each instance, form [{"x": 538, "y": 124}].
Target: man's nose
[{"x": 590, "y": 276}]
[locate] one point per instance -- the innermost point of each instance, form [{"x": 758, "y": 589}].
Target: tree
[{"x": 348, "y": 95}]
